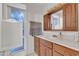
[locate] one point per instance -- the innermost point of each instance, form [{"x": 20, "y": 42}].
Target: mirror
[{"x": 57, "y": 20}]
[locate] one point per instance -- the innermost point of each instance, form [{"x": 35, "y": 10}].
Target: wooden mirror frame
[{"x": 66, "y": 27}]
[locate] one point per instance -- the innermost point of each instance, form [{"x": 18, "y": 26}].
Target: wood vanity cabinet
[
  {"x": 44, "y": 47},
  {"x": 70, "y": 17},
  {"x": 37, "y": 45}
]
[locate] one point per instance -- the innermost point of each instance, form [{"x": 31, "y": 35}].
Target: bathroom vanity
[{"x": 50, "y": 46}]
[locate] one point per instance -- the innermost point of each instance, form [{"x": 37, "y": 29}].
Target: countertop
[{"x": 64, "y": 42}]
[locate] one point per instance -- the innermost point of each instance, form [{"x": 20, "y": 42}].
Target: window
[{"x": 16, "y": 14}]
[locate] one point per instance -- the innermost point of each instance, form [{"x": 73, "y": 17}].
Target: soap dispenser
[{"x": 61, "y": 35}]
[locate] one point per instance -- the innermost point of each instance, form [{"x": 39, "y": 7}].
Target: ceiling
[{"x": 39, "y": 8}]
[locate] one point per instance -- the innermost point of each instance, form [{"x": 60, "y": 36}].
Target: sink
[
  {"x": 58, "y": 36},
  {"x": 54, "y": 36}
]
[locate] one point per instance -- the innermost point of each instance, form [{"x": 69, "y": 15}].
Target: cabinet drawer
[
  {"x": 46, "y": 43},
  {"x": 60, "y": 49},
  {"x": 37, "y": 45},
  {"x": 71, "y": 52},
  {"x": 65, "y": 51}
]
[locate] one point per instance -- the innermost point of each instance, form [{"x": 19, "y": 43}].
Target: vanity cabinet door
[
  {"x": 45, "y": 51},
  {"x": 37, "y": 45},
  {"x": 42, "y": 50},
  {"x": 49, "y": 52},
  {"x": 46, "y": 48},
  {"x": 70, "y": 17}
]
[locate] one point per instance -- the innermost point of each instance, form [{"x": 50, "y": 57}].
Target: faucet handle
[{"x": 60, "y": 33}]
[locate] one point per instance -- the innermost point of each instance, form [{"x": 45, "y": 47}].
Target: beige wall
[
  {"x": 0, "y": 21},
  {"x": 35, "y": 13}
]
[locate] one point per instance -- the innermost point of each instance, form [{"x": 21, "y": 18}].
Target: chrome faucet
[{"x": 60, "y": 33}]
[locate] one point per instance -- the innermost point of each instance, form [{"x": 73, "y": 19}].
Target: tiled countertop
[{"x": 64, "y": 42}]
